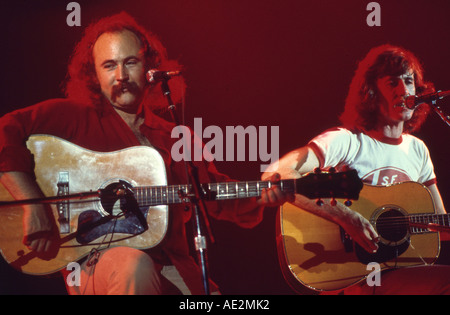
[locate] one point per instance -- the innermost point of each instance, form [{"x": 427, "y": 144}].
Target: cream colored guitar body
[{"x": 61, "y": 168}]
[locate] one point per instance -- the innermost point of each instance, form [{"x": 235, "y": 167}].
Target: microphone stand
[
  {"x": 200, "y": 219},
  {"x": 52, "y": 199},
  {"x": 440, "y": 113}
]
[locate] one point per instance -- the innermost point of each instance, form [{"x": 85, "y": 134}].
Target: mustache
[{"x": 117, "y": 90}]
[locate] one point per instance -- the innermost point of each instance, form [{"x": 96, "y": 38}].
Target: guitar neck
[
  {"x": 315, "y": 185},
  {"x": 419, "y": 222},
  {"x": 173, "y": 194}
]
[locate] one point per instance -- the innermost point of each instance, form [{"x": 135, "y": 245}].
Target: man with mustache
[{"x": 109, "y": 106}]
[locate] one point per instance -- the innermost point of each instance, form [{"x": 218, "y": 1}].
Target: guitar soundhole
[
  {"x": 122, "y": 216},
  {"x": 109, "y": 200},
  {"x": 392, "y": 226}
]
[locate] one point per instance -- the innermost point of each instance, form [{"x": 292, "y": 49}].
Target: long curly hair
[
  {"x": 81, "y": 82},
  {"x": 362, "y": 102}
]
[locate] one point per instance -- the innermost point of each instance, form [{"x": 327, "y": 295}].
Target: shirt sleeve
[
  {"x": 14, "y": 155},
  {"x": 48, "y": 117},
  {"x": 333, "y": 148}
]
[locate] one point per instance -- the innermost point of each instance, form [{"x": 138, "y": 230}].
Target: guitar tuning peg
[
  {"x": 348, "y": 203},
  {"x": 333, "y": 202},
  {"x": 332, "y": 170},
  {"x": 319, "y": 202},
  {"x": 317, "y": 170}
]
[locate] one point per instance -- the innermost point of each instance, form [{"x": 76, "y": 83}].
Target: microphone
[
  {"x": 154, "y": 76},
  {"x": 413, "y": 101}
]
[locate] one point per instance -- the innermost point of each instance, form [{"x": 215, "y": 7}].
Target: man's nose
[
  {"x": 403, "y": 89},
  {"x": 122, "y": 73}
]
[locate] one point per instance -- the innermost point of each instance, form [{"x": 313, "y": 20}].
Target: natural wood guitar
[
  {"x": 317, "y": 254},
  {"x": 120, "y": 198}
]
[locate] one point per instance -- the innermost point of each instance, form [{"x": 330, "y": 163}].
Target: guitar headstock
[{"x": 330, "y": 184}]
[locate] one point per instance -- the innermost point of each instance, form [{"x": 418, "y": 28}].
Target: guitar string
[
  {"x": 386, "y": 223},
  {"x": 425, "y": 218},
  {"x": 390, "y": 223},
  {"x": 160, "y": 193},
  {"x": 419, "y": 255}
]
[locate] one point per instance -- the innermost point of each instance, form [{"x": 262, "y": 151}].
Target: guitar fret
[
  {"x": 173, "y": 194},
  {"x": 157, "y": 195},
  {"x": 221, "y": 189},
  {"x": 412, "y": 228},
  {"x": 231, "y": 190},
  {"x": 439, "y": 220},
  {"x": 138, "y": 195},
  {"x": 183, "y": 191},
  {"x": 240, "y": 190},
  {"x": 426, "y": 218},
  {"x": 154, "y": 199},
  {"x": 444, "y": 221},
  {"x": 144, "y": 195},
  {"x": 151, "y": 196},
  {"x": 139, "y": 198}
]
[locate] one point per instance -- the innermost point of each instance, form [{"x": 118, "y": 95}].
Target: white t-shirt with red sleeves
[{"x": 378, "y": 162}]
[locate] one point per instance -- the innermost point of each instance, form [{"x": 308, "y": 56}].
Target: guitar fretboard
[
  {"x": 172, "y": 194},
  {"x": 439, "y": 219}
]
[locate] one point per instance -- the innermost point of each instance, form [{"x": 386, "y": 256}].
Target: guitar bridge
[{"x": 63, "y": 206}]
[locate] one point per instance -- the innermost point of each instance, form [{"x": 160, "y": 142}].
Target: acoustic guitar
[
  {"x": 120, "y": 198},
  {"x": 317, "y": 255}
]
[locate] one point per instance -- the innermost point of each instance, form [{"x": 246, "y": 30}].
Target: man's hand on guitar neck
[
  {"x": 250, "y": 210},
  {"x": 274, "y": 196}
]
